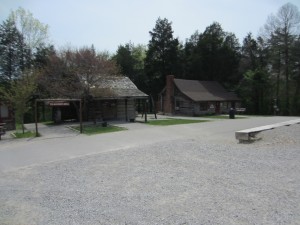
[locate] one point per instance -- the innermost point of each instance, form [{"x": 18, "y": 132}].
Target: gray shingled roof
[
  {"x": 116, "y": 87},
  {"x": 204, "y": 90}
]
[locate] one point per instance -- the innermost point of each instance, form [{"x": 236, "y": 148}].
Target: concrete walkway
[{"x": 60, "y": 143}]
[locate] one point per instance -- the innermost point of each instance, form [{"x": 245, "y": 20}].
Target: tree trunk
[
  {"x": 286, "y": 59},
  {"x": 23, "y": 128},
  {"x": 278, "y": 77},
  {"x": 296, "y": 101}
]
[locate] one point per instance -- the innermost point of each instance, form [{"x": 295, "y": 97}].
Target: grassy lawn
[
  {"x": 215, "y": 116},
  {"x": 222, "y": 116},
  {"x": 169, "y": 122},
  {"x": 27, "y": 134},
  {"x": 19, "y": 133},
  {"x": 98, "y": 129},
  {"x": 48, "y": 123}
]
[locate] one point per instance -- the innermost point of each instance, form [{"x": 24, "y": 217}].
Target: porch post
[
  {"x": 80, "y": 109},
  {"x": 126, "y": 113},
  {"x": 145, "y": 110},
  {"x": 36, "y": 119}
]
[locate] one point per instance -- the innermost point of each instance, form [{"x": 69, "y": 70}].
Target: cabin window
[
  {"x": 177, "y": 105},
  {"x": 203, "y": 106},
  {"x": 3, "y": 111}
]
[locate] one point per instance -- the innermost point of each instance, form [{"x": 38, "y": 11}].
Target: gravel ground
[{"x": 179, "y": 182}]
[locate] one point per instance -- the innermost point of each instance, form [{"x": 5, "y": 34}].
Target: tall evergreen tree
[
  {"x": 255, "y": 90},
  {"x": 296, "y": 76},
  {"x": 192, "y": 58},
  {"x": 162, "y": 55},
  {"x": 13, "y": 52},
  {"x": 282, "y": 28},
  {"x": 125, "y": 60},
  {"x": 213, "y": 55},
  {"x": 40, "y": 57},
  {"x": 255, "y": 87},
  {"x": 249, "y": 58}
]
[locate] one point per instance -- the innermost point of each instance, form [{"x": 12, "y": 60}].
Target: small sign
[{"x": 57, "y": 103}]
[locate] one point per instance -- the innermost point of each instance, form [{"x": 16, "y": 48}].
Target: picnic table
[{"x": 2, "y": 129}]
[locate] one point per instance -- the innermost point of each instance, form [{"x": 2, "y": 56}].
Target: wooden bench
[
  {"x": 2, "y": 129},
  {"x": 250, "y": 134}
]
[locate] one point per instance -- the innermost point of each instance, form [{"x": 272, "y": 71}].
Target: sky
[{"x": 109, "y": 23}]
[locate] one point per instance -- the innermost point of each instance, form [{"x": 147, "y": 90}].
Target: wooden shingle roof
[
  {"x": 204, "y": 90},
  {"x": 116, "y": 87}
]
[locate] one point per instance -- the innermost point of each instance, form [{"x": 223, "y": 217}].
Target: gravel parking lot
[{"x": 184, "y": 181}]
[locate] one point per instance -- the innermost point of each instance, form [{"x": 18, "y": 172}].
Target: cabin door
[{"x": 218, "y": 110}]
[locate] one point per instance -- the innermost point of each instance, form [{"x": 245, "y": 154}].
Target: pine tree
[
  {"x": 281, "y": 30},
  {"x": 162, "y": 55},
  {"x": 13, "y": 52},
  {"x": 213, "y": 55}
]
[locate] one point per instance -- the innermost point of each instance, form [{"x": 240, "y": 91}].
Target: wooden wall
[
  {"x": 121, "y": 109},
  {"x": 113, "y": 109}
]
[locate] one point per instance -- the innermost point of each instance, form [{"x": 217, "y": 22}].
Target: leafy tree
[
  {"x": 19, "y": 94},
  {"x": 91, "y": 67},
  {"x": 71, "y": 73},
  {"x": 34, "y": 32},
  {"x": 57, "y": 79},
  {"x": 131, "y": 58},
  {"x": 21, "y": 39},
  {"x": 139, "y": 54},
  {"x": 162, "y": 55}
]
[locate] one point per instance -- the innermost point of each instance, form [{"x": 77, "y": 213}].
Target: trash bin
[{"x": 231, "y": 113}]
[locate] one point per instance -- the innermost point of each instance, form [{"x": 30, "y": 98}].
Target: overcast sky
[{"x": 109, "y": 23}]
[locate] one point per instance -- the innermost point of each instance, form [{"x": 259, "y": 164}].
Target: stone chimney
[{"x": 169, "y": 97}]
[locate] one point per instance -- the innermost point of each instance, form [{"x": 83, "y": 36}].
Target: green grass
[
  {"x": 48, "y": 123},
  {"x": 19, "y": 133},
  {"x": 18, "y": 126},
  {"x": 222, "y": 116},
  {"x": 215, "y": 116},
  {"x": 169, "y": 122},
  {"x": 27, "y": 134},
  {"x": 99, "y": 129}
]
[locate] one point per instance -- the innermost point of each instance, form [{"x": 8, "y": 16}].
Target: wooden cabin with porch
[
  {"x": 115, "y": 98},
  {"x": 193, "y": 97},
  {"x": 111, "y": 98}
]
